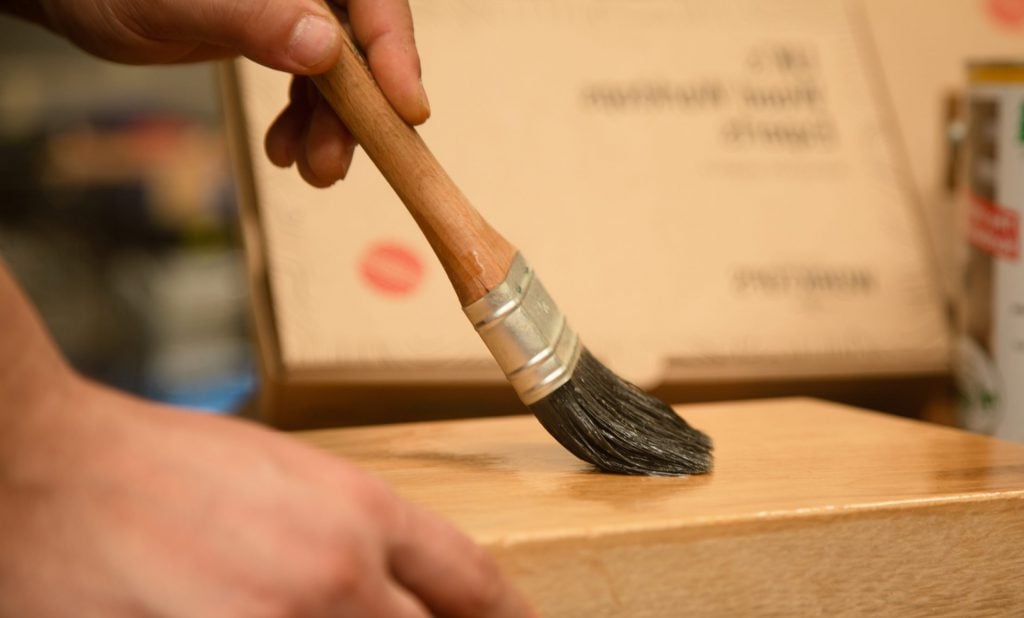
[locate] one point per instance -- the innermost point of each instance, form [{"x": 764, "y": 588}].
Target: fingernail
[
  {"x": 350, "y": 156},
  {"x": 313, "y": 40},
  {"x": 424, "y": 102}
]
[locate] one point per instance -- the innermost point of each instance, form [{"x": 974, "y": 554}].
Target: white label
[{"x": 991, "y": 362}]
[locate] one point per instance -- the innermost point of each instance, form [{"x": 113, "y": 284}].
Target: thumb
[{"x": 297, "y": 36}]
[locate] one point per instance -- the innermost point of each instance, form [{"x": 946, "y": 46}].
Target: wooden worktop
[{"x": 812, "y": 507}]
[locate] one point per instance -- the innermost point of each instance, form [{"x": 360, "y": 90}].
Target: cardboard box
[
  {"x": 710, "y": 190},
  {"x": 812, "y": 509}
]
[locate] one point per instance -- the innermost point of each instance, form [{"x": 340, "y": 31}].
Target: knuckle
[
  {"x": 338, "y": 558},
  {"x": 336, "y": 579},
  {"x": 285, "y": 610},
  {"x": 343, "y": 575},
  {"x": 328, "y": 580},
  {"x": 277, "y": 605},
  {"x": 486, "y": 593},
  {"x": 378, "y": 501},
  {"x": 237, "y": 15}
]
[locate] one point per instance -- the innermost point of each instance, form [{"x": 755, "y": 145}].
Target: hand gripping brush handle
[{"x": 592, "y": 412}]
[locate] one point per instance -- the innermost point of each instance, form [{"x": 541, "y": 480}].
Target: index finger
[
  {"x": 384, "y": 30},
  {"x": 448, "y": 572}
]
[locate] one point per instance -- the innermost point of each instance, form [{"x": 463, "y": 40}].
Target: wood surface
[
  {"x": 813, "y": 508},
  {"x": 475, "y": 257}
]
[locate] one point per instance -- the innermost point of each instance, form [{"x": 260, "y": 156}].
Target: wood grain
[
  {"x": 814, "y": 508},
  {"x": 475, "y": 257}
]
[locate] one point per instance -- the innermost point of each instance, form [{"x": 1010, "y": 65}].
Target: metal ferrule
[{"x": 526, "y": 333}]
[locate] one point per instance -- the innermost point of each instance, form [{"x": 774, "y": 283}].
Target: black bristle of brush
[{"x": 606, "y": 421}]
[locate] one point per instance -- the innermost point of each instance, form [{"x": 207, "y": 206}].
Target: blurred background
[{"x": 117, "y": 214}]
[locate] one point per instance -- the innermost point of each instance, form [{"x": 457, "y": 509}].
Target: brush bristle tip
[{"x": 612, "y": 424}]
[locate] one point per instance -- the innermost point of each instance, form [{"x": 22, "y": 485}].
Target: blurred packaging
[
  {"x": 990, "y": 343},
  {"x": 117, "y": 215}
]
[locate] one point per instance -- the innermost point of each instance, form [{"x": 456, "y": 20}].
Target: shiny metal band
[{"x": 526, "y": 333}]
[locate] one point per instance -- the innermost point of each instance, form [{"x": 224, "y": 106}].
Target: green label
[{"x": 1020, "y": 128}]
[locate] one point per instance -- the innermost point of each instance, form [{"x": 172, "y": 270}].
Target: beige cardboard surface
[
  {"x": 706, "y": 188},
  {"x": 923, "y": 47}
]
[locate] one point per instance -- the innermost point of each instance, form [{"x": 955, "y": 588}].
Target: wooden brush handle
[{"x": 475, "y": 256}]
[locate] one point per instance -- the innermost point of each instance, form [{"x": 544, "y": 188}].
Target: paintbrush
[{"x": 592, "y": 412}]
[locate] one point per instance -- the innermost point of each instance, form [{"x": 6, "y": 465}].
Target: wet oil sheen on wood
[{"x": 812, "y": 508}]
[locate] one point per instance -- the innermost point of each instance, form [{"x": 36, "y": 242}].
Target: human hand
[
  {"x": 297, "y": 36},
  {"x": 110, "y": 506}
]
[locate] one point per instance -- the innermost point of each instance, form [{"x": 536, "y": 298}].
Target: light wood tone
[
  {"x": 813, "y": 508},
  {"x": 475, "y": 256}
]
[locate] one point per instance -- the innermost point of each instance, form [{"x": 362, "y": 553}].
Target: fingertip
[
  {"x": 309, "y": 176},
  {"x": 314, "y": 43},
  {"x": 451, "y": 574},
  {"x": 420, "y": 110},
  {"x": 328, "y": 146},
  {"x": 385, "y": 30},
  {"x": 287, "y": 133},
  {"x": 306, "y": 170},
  {"x": 348, "y": 157},
  {"x": 398, "y": 75},
  {"x": 281, "y": 141},
  {"x": 298, "y": 36}
]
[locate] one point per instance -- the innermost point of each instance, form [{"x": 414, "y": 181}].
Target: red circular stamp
[
  {"x": 1007, "y": 12},
  {"x": 391, "y": 268}
]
